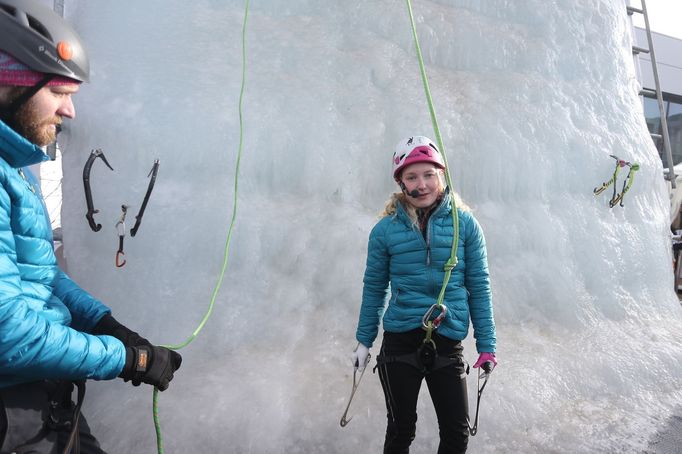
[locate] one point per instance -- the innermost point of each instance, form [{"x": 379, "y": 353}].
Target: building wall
[{"x": 668, "y": 52}]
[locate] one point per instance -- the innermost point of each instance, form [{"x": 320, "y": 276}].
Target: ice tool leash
[
  {"x": 484, "y": 376},
  {"x": 627, "y": 184},
  {"x": 209, "y": 311},
  {"x": 356, "y": 382}
]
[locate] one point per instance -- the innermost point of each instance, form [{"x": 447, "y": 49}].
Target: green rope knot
[{"x": 450, "y": 264}]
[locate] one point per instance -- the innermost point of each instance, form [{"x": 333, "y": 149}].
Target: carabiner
[
  {"x": 90, "y": 215},
  {"x": 436, "y": 321},
  {"x": 121, "y": 229},
  {"x": 119, "y": 263}
]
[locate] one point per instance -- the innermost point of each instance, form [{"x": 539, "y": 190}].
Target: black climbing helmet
[{"x": 42, "y": 40}]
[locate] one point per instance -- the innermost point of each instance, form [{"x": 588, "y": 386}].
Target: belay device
[
  {"x": 120, "y": 225},
  {"x": 618, "y": 196}
]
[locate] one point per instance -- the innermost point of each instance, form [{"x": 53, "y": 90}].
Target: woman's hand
[
  {"x": 360, "y": 357},
  {"x": 486, "y": 357}
]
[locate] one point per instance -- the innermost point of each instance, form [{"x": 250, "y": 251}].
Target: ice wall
[{"x": 532, "y": 98}]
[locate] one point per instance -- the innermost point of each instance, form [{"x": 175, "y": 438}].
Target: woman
[{"x": 408, "y": 249}]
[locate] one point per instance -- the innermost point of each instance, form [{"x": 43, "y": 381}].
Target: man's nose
[{"x": 67, "y": 109}]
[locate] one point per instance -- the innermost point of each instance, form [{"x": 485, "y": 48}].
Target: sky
[{"x": 665, "y": 16}]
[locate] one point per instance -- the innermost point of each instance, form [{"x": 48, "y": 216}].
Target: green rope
[
  {"x": 159, "y": 440},
  {"x": 452, "y": 261}
]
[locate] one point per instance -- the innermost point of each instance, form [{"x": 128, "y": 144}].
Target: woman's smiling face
[{"x": 426, "y": 179}]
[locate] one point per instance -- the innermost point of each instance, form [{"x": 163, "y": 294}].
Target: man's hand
[{"x": 151, "y": 365}]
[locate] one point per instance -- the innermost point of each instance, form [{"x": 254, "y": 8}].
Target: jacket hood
[{"x": 17, "y": 150}]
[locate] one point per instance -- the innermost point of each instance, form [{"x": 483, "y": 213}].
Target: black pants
[
  {"x": 401, "y": 381},
  {"x": 36, "y": 418}
]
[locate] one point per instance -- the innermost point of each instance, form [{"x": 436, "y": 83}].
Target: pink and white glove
[{"x": 484, "y": 358}]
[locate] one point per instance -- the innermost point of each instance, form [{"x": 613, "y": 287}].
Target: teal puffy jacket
[
  {"x": 399, "y": 254},
  {"x": 44, "y": 315}
]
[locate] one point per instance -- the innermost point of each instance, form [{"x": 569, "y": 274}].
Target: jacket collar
[{"x": 17, "y": 150}]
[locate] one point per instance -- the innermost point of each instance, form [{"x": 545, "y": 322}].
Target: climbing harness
[
  {"x": 618, "y": 196},
  {"x": 209, "y": 311},
  {"x": 485, "y": 375},
  {"x": 73, "y": 444},
  {"x": 63, "y": 415},
  {"x": 138, "y": 217},
  {"x": 121, "y": 229},
  {"x": 425, "y": 359},
  {"x": 356, "y": 382},
  {"x": 88, "y": 192}
]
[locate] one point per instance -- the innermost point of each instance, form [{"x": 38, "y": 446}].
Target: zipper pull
[{"x": 28, "y": 183}]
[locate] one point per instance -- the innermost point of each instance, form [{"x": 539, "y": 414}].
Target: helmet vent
[{"x": 39, "y": 27}]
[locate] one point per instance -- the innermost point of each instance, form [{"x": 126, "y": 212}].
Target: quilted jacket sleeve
[
  {"x": 375, "y": 288},
  {"x": 85, "y": 310},
  {"x": 477, "y": 282},
  {"x": 32, "y": 347}
]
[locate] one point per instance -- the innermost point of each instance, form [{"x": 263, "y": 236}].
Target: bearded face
[
  {"x": 39, "y": 128},
  {"x": 38, "y": 119}
]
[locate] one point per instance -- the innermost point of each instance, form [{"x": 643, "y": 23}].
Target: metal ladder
[
  {"x": 659, "y": 96},
  {"x": 657, "y": 92}
]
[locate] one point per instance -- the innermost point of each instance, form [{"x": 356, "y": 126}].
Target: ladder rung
[
  {"x": 648, "y": 92},
  {"x": 632, "y": 9},
  {"x": 637, "y": 49},
  {"x": 656, "y": 136}
]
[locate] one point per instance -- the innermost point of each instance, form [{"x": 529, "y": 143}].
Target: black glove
[
  {"x": 110, "y": 326},
  {"x": 150, "y": 364}
]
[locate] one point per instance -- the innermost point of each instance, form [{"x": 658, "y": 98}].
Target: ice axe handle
[{"x": 487, "y": 367}]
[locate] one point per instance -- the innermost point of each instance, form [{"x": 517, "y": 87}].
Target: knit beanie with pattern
[{"x": 15, "y": 73}]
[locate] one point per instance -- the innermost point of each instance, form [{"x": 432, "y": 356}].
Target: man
[{"x": 53, "y": 334}]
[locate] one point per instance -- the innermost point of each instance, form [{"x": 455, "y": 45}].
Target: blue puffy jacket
[
  {"x": 398, "y": 253},
  {"x": 44, "y": 315}
]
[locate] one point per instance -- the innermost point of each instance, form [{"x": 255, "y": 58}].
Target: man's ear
[
  {"x": 9, "y": 93},
  {"x": 4, "y": 94}
]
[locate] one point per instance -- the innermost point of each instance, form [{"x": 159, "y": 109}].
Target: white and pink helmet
[{"x": 415, "y": 149}]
